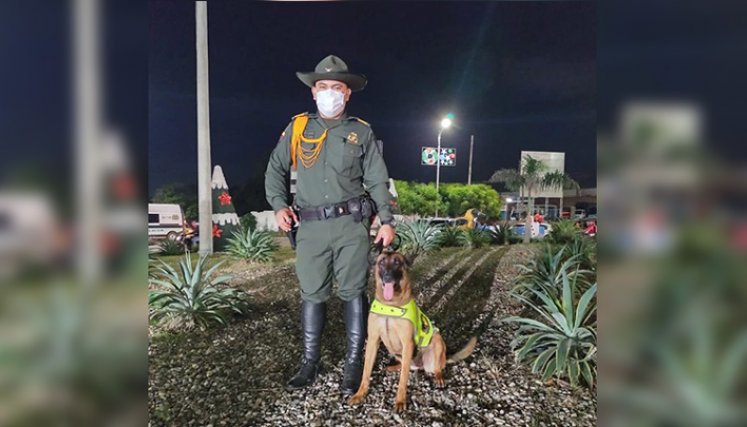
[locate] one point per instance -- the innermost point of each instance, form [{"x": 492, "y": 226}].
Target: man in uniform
[{"x": 338, "y": 164}]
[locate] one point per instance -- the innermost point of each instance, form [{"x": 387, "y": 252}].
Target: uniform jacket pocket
[{"x": 351, "y": 159}]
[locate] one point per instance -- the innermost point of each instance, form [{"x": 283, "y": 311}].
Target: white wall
[{"x": 266, "y": 220}]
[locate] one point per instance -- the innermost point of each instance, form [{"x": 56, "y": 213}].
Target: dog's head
[{"x": 392, "y": 280}]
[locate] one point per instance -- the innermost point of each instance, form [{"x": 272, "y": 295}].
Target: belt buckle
[{"x": 328, "y": 211}]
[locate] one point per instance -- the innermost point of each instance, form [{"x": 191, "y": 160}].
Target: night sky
[{"x": 517, "y": 75}]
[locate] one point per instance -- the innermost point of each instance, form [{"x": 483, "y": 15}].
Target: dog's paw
[
  {"x": 439, "y": 380},
  {"x": 400, "y": 406},
  {"x": 356, "y": 399}
]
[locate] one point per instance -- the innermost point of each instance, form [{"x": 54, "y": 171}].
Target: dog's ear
[{"x": 410, "y": 258}]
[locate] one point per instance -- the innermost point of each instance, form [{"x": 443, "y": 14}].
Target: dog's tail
[{"x": 463, "y": 353}]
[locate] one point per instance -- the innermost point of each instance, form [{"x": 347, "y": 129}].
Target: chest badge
[{"x": 352, "y": 138}]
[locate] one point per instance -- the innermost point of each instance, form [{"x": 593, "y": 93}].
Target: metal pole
[
  {"x": 204, "y": 196},
  {"x": 87, "y": 136},
  {"x": 438, "y": 166},
  {"x": 471, "y": 146}
]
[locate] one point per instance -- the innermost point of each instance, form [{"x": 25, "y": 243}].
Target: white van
[{"x": 164, "y": 221}]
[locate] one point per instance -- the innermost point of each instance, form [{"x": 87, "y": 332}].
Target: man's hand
[
  {"x": 385, "y": 235},
  {"x": 285, "y": 218}
]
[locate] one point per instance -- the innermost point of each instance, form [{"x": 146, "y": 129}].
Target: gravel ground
[{"x": 233, "y": 376}]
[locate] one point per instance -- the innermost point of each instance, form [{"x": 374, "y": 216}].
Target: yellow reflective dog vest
[{"x": 424, "y": 329}]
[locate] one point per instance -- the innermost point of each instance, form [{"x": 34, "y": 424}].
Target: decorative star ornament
[
  {"x": 224, "y": 198},
  {"x": 217, "y": 232}
]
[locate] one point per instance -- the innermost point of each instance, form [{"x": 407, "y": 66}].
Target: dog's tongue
[{"x": 388, "y": 291}]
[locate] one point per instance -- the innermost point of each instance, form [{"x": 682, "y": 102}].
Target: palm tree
[{"x": 532, "y": 177}]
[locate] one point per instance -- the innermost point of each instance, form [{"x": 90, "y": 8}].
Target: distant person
[
  {"x": 335, "y": 155},
  {"x": 538, "y": 218},
  {"x": 591, "y": 228}
]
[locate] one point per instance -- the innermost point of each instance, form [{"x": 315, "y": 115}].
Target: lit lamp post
[{"x": 445, "y": 123}]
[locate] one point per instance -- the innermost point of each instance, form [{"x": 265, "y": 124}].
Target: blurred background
[
  {"x": 73, "y": 263},
  {"x": 672, "y": 178},
  {"x": 673, "y": 196}
]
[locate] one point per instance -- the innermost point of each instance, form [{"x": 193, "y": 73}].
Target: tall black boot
[
  {"x": 313, "y": 316},
  {"x": 356, "y": 319}
]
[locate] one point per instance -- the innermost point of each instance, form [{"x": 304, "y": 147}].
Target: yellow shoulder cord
[{"x": 308, "y": 156}]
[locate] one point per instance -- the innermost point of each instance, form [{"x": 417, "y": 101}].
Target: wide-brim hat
[{"x": 333, "y": 68}]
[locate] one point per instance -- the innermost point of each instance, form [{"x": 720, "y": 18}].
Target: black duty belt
[{"x": 347, "y": 207}]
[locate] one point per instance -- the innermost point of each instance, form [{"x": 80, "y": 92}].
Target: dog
[{"x": 398, "y": 332}]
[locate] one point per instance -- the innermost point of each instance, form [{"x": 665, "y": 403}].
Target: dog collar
[{"x": 424, "y": 329}]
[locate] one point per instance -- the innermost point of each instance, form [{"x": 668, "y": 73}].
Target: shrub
[
  {"x": 192, "y": 295},
  {"x": 248, "y": 221},
  {"x": 502, "y": 234},
  {"x": 451, "y": 235},
  {"x": 585, "y": 248},
  {"x": 170, "y": 247},
  {"x": 546, "y": 270},
  {"x": 253, "y": 245},
  {"x": 419, "y": 237},
  {"x": 564, "y": 231},
  {"x": 562, "y": 341},
  {"x": 474, "y": 239}
]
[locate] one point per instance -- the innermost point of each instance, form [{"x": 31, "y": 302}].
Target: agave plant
[
  {"x": 192, "y": 295},
  {"x": 419, "y": 237},
  {"x": 451, "y": 235},
  {"x": 585, "y": 248},
  {"x": 152, "y": 252},
  {"x": 170, "y": 247},
  {"x": 254, "y": 245},
  {"x": 564, "y": 231},
  {"x": 546, "y": 271},
  {"x": 502, "y": 234},
  {"x": 474, "y": 239},
  {"x": 562, "y": 341}
]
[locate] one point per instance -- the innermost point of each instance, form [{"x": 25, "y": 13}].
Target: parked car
[
  {"x": 165, "y": 221},
  {"x": 539, "y": 232}
]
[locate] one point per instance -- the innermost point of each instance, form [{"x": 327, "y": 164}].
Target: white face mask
[{"x": 330, "y": 102}]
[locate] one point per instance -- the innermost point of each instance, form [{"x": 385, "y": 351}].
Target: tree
[
  {"x": 225, "y": 220},
  {"x": 460, "y": 197},
  {"x": 180, "y": 195},
  {"x": 534, "y": 175},
  {"x": 417, "y": 198}
]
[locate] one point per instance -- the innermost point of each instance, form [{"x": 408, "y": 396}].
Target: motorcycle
[{"x": 189, "y": 237}]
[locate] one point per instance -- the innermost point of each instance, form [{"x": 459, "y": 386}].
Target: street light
[{"x": 445, "y": 124}]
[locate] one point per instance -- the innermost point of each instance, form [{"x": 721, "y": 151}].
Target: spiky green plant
[
  {"x": 152, "y": 252},
  {"x": 419, "y": 237},
  {"x": 451, "y": 236},
  {"x": 170, "y": 247},
  {"x": 502, "y": 234},
  {"x": 546, "y": 271},
  {"x": 585, "y": 248},
  {"x": 192, "y": 295},
  {"x": 564, "y": 231},
  {"x": 474, "y": 239},
  {"x": 254, "y": 245},
  {"x": 562, "y": 340}
]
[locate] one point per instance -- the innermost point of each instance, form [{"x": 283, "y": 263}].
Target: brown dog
[{"x": 399, "y": 333}]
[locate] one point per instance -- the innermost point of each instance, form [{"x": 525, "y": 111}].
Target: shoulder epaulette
[
  {"x": 361, "y": 120},
  {"x": 306, "y": 113}
]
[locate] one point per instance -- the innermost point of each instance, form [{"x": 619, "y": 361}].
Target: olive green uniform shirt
[{"x": 349, "y": 160}]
